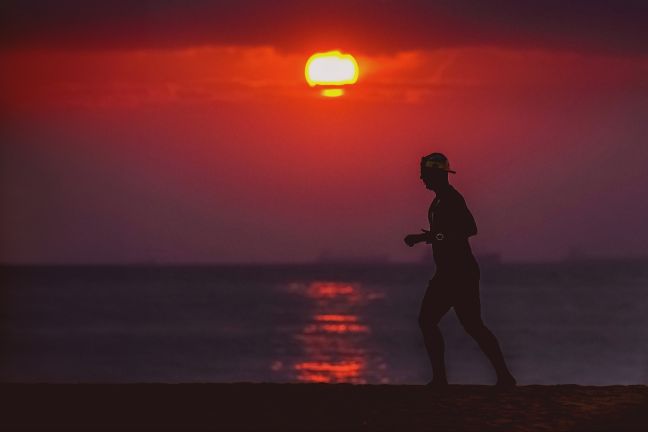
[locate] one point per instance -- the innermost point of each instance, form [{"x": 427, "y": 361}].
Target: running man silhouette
[{"x": 456, "y": 280}]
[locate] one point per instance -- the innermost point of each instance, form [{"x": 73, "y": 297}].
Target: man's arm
[{"x": 413, "y": 239}]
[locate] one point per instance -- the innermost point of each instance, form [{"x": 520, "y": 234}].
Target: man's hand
[{"x": 412, "y": 239}]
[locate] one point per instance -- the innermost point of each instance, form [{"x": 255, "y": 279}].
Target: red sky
[{"x": 177, "y": 133}]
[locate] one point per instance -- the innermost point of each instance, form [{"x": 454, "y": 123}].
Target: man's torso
[{"x": 451, "y": 223}]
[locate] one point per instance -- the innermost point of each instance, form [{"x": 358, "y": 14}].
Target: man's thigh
[
  {"x": 436, "y": 302},
  {"x": 467, "y": 302}
]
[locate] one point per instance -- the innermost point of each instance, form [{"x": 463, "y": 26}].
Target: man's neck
[{"x": 442, "y": 189}]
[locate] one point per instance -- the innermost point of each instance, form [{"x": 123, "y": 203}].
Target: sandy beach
[{"x": 321, "y": 407}]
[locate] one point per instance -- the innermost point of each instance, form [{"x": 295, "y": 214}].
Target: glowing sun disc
[{"x": 331, "y": 68}]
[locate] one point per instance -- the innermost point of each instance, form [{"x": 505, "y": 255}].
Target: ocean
[{"x": 580, "y": 322}]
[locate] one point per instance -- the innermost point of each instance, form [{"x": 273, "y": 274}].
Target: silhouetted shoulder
[
  {"x": 464, "y": 218},
  {"x": 455, "y": 196}
]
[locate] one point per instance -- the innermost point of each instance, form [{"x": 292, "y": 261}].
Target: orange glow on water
[
  {"x": 329, "y": 372},
  {"x": 331, "y": 68},
  {"x": 333, "y": 338},
  {"x": 336, "y": 328},
  {"x": 323, "y": 290},
  {"x": 336, "y": 318},
  {"x": 334, "y": 323},
  {"x": 345, "y": 328}
]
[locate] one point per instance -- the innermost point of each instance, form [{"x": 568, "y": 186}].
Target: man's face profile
[{"x": 431, "y": 176}]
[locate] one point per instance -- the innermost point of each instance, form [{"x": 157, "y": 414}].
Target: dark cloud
[{"x": 579, "y": 25}]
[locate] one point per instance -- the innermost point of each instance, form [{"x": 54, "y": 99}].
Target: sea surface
[{"x": 582, "y": 322}]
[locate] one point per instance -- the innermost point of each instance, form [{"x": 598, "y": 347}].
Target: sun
[{"x": 331, "y": 69}]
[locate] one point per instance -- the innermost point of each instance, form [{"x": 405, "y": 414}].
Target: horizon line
[{"x": 154, "y": 263}]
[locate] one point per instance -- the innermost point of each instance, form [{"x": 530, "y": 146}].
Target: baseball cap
[{"x": 436, "y": 160}]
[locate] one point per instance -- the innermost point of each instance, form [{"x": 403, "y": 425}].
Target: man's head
[{"x": 434, "y": 170}]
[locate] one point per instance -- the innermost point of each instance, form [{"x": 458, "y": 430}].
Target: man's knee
[
  {"x": 427, "y": 323},
  {"x": 475, "y": 328}
]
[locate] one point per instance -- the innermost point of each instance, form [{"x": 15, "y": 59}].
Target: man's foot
[
  {"x": 506, "y": 382},
  {"x": 437, "y": 384}
]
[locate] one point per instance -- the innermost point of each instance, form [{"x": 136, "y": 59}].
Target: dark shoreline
[{"x": 243, "y": 406}]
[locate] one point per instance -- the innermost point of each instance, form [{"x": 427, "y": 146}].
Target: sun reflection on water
[
  {"x": 335, "y": 339},
  {"x": 330, "y": 372}
]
